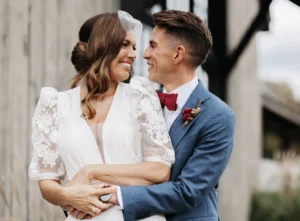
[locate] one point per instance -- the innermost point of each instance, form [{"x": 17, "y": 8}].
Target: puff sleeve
[
  {"x": 46, "y": 162},
  {"x": 155, "y": 140}
]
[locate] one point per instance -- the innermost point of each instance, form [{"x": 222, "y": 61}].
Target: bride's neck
[{"x": 110, "y": 92}]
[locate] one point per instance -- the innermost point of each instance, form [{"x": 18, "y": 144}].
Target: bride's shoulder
[
  {"x": 48, "y": 92},
  {"x": 142, "y": 85},
  {"x": 51, "y": 94},
  {"x": 48, "y": 95},
  {"x": 139, "y": 80}
]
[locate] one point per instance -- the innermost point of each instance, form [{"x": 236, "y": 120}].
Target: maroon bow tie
[{"x": 168, "y": 100}]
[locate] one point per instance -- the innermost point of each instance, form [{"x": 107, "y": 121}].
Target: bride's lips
[{"x": 126, "y": 65}]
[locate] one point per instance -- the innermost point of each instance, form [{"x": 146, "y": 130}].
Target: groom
[{"x": 180, "y": 43}]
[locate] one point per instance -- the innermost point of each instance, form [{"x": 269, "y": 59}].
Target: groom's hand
[
  {"x": 85, "y": 198},
  {"x": 77, "y": 214}
]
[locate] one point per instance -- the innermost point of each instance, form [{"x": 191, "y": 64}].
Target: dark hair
[
  {"x": 100, "y": 40},
  {"x": 189, "y": 29}
]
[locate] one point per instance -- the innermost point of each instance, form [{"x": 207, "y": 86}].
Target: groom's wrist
[{"x": 114, "y": 198}]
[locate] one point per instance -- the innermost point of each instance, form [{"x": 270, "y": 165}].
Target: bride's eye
[{"x": 125, "y": 45}]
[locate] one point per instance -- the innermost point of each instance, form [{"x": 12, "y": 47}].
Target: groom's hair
[{"x": 189, "y": 30}]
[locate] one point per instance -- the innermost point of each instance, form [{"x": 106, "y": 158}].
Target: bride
[{"x": 113, "y": 130}]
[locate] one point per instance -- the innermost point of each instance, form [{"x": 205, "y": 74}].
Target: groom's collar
[{"x": 184, "y": 91}]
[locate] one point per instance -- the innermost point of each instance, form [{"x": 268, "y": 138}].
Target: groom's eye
[{"x": 152, "y": 45}]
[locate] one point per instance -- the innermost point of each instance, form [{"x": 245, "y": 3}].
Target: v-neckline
[{"x": 90, "y": 132}]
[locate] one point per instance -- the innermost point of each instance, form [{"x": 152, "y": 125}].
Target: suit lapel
[{"x": 177, "y": 132}]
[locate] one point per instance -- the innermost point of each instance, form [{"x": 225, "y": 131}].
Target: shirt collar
[{"x": 184, "y": 91}]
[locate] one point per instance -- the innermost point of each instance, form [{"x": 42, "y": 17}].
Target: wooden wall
[
  {"x": 36, "y": 40},
  {"x": 243, "y": 91}
]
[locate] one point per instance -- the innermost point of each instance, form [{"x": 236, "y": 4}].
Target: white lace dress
[{"x": 134, "y": 131}]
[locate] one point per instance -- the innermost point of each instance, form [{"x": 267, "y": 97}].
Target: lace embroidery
[
  {"x": 156, "y": 143},
  {"x": 149, "y": 105},
  {"x": 44, "y": 136}
]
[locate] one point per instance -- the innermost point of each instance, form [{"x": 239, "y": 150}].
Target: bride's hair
[{"x": 100, "y": 40}]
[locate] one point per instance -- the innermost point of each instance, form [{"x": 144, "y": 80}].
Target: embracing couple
[{"x": 129, "y": 152}]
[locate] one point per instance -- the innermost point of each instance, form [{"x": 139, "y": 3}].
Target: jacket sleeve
[{"x": 199, "y": 176}]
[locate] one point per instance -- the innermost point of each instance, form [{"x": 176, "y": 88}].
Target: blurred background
[{"x": 254, "y": 67}]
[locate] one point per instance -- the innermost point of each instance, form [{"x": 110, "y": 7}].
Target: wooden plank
[
  {"x": 36, "y": 40},
  {"x": 18, "y": 76},
  {"x": 4, "y": 151},
  {"x": 36, "y": 60},
  {"x": 66, "y": 40},
  {"x": 49, "y": 75},
  {"x": 50, "y": 11}
]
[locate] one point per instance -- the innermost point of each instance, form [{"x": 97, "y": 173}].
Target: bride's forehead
[{"x": 130, "y": 36}]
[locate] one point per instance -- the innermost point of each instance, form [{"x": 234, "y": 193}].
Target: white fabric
[
  {"x": 129, "y": 23},
  {"x": 134, "y": 131},
  {"x": 184, "y": 92},
  {"x": 120, "y": 199},
  {"x": 46, "y": 162}
]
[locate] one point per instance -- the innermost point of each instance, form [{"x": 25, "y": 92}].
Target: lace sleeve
[
  {"x": 46, "y": 162},
  {"x": 155, "y": 140}
]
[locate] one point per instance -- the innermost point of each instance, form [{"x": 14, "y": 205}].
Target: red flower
[
  {"x": 186, "y": 116},
  {"x": 187, "y": 110}
]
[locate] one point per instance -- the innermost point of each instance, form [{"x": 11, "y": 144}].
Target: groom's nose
[{"x": 146, "y": 54}]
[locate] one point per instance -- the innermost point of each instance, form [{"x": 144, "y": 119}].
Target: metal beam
[
  {"x": 254, "y": 26},
  {"x": 216, "y": 61},
  {"x": 192, "y": 5}
]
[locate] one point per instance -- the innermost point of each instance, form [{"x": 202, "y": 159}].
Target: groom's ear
[{"x": 179, "y": 54}]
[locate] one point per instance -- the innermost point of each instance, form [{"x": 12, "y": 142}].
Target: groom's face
[{"x": 159, "y": 56}]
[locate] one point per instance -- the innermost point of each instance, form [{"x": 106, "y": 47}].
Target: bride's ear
[{"x": 179, "y": 54}]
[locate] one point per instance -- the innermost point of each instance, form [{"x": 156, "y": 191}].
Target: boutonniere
[{"x": 188, "y": 114}]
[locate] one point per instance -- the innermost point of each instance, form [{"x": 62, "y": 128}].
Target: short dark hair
[{"x": 189, "y": 29}]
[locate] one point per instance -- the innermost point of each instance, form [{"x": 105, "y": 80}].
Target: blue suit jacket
[{"x": 202, "y": 152}]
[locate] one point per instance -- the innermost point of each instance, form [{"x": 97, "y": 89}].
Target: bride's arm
[
  {"x": 145, "y": 173},
  {"x": 47, "y": 166},
  {"x": 82, "y": 197},
  {"x": 50, "y": 188},
  {"x": 156, "y": 146}
]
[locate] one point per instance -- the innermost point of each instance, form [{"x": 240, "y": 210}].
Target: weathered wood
[
  {"x": 4, "y": 151},
  {"x": 67, "y": 20},
  {"x": 243, "y": 90},
  {"x": 36, "y": 39},
  {"x": 36, "y": 72},
  {"x": 17, "y": 103}
]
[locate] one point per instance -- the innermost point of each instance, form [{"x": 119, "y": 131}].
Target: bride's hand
[
  {"x": 85, "y": 198},
  {"x": 81, "y": 178}
]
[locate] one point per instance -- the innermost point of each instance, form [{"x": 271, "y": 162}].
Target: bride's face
[{"x": 120, "y": 67}]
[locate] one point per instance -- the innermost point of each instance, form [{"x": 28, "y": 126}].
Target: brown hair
[
  {"x": 189, "y": 29},
  {"x": 100, "y": 40}
]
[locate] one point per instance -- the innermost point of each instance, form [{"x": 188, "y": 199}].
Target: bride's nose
[{"x": 131, "y": 54}]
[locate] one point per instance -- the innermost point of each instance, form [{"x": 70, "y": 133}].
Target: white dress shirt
[{"x": 184, "y": 92}]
